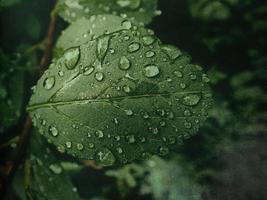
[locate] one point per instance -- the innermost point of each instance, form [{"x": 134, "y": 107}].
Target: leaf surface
[
  {"x": 45, "y": 177},
  {"x": 83, "y": 30},
  {"x": 120, "y": 97},
  {"x": 140, "y": 10}
]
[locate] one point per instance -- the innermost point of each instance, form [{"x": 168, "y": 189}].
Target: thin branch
[
  {"x": 9, "y": 142},
  {"x": 92, "y": 164},
  {"x": 48, "y": 43},
  {"x": 12, "y": 165},
  {"x": 24, "y": 136},
  {"x": 21, "y": 146}
]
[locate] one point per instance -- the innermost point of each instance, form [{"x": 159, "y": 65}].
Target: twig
[
  {"x": 21, "y": 146},
  {"x": 91, "y": 164},
  {"x": 9, "y": 142},
  {"x": 24, "y": 136},
  {"x": 12, "y": 165},
  {"x": 48, "y": 43}
]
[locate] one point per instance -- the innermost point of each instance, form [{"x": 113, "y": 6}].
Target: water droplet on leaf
[
  {"x": 178, "y": 74},
  {"x": 129, "y": 112},
  {"x": 191, "y": 99},
  {"x": 53, "y": 131},
  {"x": 61, "y": 73},
  {"x": 99, "y": 76},
  {"x": 91, "y": 145},
  {"x": 105, "y": 157},
  {"x": 130, "y": 139},
  {"x": 126, "y": 24},
  {"x": 79, "y": 146},
  {"x": 183, "y": 85},
  {"x": 187, "y": 125},
  {"x": 148, "y": 40},
  {"x": 99, "y": 134},
  {"x": 130, "y": 4},
  {"x": 119, "y": 150},
  {"x": 146, "y": 155},
  {"x": 49, "y": 83},
  {"x": 88, "y": 71},
  {"x": 151, "y": 71},
  {"x": 171, "y": 51},
  {"x": 163, "y": 151},
  {"x": 68, "y": 145},
  {"x": 72, "y": 57},
  {"x": 126, "y": 88},
  {"x": 102, "y": 47},
  {"x": 187, "y": 113},
  {"x": 150, "y": 54},
  {"x": 124, "y": 64},
  {"x": 133, "y": 47}
]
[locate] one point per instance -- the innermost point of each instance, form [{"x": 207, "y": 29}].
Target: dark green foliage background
[{"x": 227, "y": 159}]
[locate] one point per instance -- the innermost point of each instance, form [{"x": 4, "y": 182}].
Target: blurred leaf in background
[
  {"x": 11, "y": 91},
  {"x": 44, "y": 176}
]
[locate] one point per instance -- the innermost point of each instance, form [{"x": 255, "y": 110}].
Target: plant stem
[
  {"x": 9, "y": 142},
  {"x": 24, "y": 136},
  {"x": 48, "y": 43}
]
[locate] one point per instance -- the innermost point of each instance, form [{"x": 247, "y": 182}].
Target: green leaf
[
  {"x": 140, "y": 10},
  {"x": 209, "y": 9},
  {"x": 120, "y": 97},
  {"x": 168, "y": 180},
  {"x": 45, "y": 177},
  {"x": 11, "y": 92},
  {"x": 83, "y": 30},
  {"x": 16, "y": 189}
]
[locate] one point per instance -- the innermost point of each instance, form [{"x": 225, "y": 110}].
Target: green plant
[
  {"x": 113, "y": 94},
  {"x": 88, "y": 100},
  {"x": 116, "y": 113}
]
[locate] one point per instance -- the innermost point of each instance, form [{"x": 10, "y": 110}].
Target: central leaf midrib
[{"x": 104, "y": 100}]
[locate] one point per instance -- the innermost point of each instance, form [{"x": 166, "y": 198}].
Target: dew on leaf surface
[
  {"x": 124, "y": 63},
  {"x": 191, "y": 100},
  {"x": 148, "y": 40},
  {"x": 80, "y": 146},
  {"x": 49, "y": 82},
  {"x": 53, "y": 131},
  {"x": 88, "y": 71},
  {"x": 71, "y": 57},
  {"x": 133, "y": 47},
  {"x": 151, "y": 71},
  {"x": 105, "y": 157},
  {"x": 99, "y": 76},
  {"x": 126, "y": 24}
]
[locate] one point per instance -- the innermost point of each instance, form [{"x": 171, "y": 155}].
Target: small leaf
[
  {"x": 140, "y": 10},
  {"x": 84, "y": 30},
  {"x": 209, "y": 10},
  {"x": 169, "y": 177},
  {"x": 11, "y": 92},
  {"x": 46, "y": 179},
  {"x": 130, "y": 106}
]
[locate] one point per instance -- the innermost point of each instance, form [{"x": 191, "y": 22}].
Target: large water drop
[
  {"x": 49, "y": 82},
  {"x": 151, "y": 71},
  {"x": 105, "y": 157},
  {"x": 72, "y": 57},
  {"x": 191, "y": 99}
]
